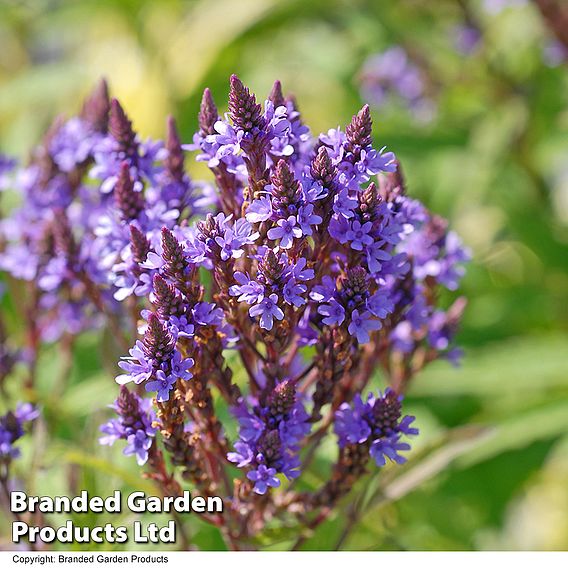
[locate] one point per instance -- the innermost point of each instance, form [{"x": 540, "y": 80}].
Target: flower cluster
[
  {"x": 134, "y": 424},
  {"x": 436, "y": 256},
  {"x": 378, "y": 421},
  {"x": 392, "y": 73},
  {"x": 274, "y": 289},
  {"x": 94, "y": 199},
  {"x": 156, "y": 361},
  {"x": 12, "y": 427},
  {"x": 270, "y": 436}
]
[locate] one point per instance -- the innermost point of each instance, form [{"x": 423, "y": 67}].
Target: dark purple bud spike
[
  {"x": 285, "y": 187},
  {"x": 270, "y": 445},
  {"x": 128, "y": 201},
  {"x": 355, "y": 285},
  {"x": 167, "y": 301},
  {"x": 359, "y": 130},
  {"x": 270, "y": 269},
  {"x": 387, "y": 413},
  {"x": 208, "y": 114},
  {"x": 97, "y": 106},
  {"x": 128, "y": 408},
  {"x": 157, "y": 341},
  {"x": 392, "y": 185},
  {"x": 176, "y": 263},
  {"x": 243, "y": 108},
  {"x": 120, "y": 127},
  {"x": 369, "y": 202},
  {"x": 282, "y": 398},
  {"x": 62, "y": 234},
  {"x": 139, "y": 243},
  {"x": 323, "y": 169},
  {"x": 174, "y": 161},
  {"x": 276, "y": 96}
]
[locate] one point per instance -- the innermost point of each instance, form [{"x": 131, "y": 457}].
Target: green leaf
[
  {"x": 519, "y": 365},
  {"x": 108, "y": 469},
  {"x": 519, "y": 431}
]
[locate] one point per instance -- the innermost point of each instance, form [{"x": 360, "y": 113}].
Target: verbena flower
[
  {"x": 12, "y": 428},
  {"x": 279, "y": 285},
  {"x": 392, "y": 74},
  {"x": 270, "y": 434},
  {"x": 133, "y": 424},
  {"x": 377, "y": 422}
]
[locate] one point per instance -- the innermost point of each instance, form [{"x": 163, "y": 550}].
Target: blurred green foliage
[{"x": 491, "y": 466}]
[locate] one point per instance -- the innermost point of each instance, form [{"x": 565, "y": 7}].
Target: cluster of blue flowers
[
  {"x": 92, "y": 197},
  {"x": 436, "y": 256},
  {"x": 303, "y": 255},
  {"x": 161, "y": 358},
  {"x": 12, "y": 426},
  {"x": 392, "y": 73},
  {"x": 134, "y": 424},
  {"x": 377, "y": 422},
  {"x": 278, "y": 281},
  {"x": 155, "y": 361},
  {"x": 270, "y": 436}
]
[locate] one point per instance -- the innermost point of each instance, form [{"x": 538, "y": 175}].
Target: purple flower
[
  {"x": 138, "y": 368},
  {"x": 380, "y": 303},
  {"x": 247, "y": 290},
  {"x": 138, "y": 444},
  {"x": 392, "y": 73},
  {"x": 358, "y": 235},
  {"x": 242, "y": 456},
  {"x": 293, "y": 293},
  {"x": 113, "y": 430},
  {"x": 26, "y": 412},
  {"x": 344, "y": 204},
  {"x": 181, "y": 326},
  {"x": 267, "y": 309},
  {"x": 7, "y": 165},
  {"x": 362, "y": 325},
  {"x": 324, "y": 291},
  {"x": 259, "y": 210},
  {"x": 73, "y": 143},
  {"x": 554, "y": 54},
  {"x": 269, "y": 438},
  {"x": 286, "y": 231},
  {"x": 334, "y": 312},
  {"x": 250, "y": 425},
  {"x": 162, "y": 384},
  {"x": 466, "y": 38},
  {"x": 133, "y": 424},
  {"x": 351, "y": 425},
  {"x": 376, "y": 255},
  {"x": 205, "y": 313},
  {"x": 153, "y": 261},
  {"x": 229, "y": 245},
  {"x": 339, "y": 227},
  {"x": 378, "y": 420},
  {"x": 12, "y": 428},
  {"x": 180, "y": 367},
  {"x": 263, "y": 477},
  {"x": 307, "y": 218},
  {"x": 388, "y": 448},
  {"x": 298, "y": 271}
]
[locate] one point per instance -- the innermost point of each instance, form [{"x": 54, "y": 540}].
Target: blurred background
[{"x": 472, "y": 97}]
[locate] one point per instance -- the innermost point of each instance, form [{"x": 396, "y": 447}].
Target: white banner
[{"x": 284, "y": 559}]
